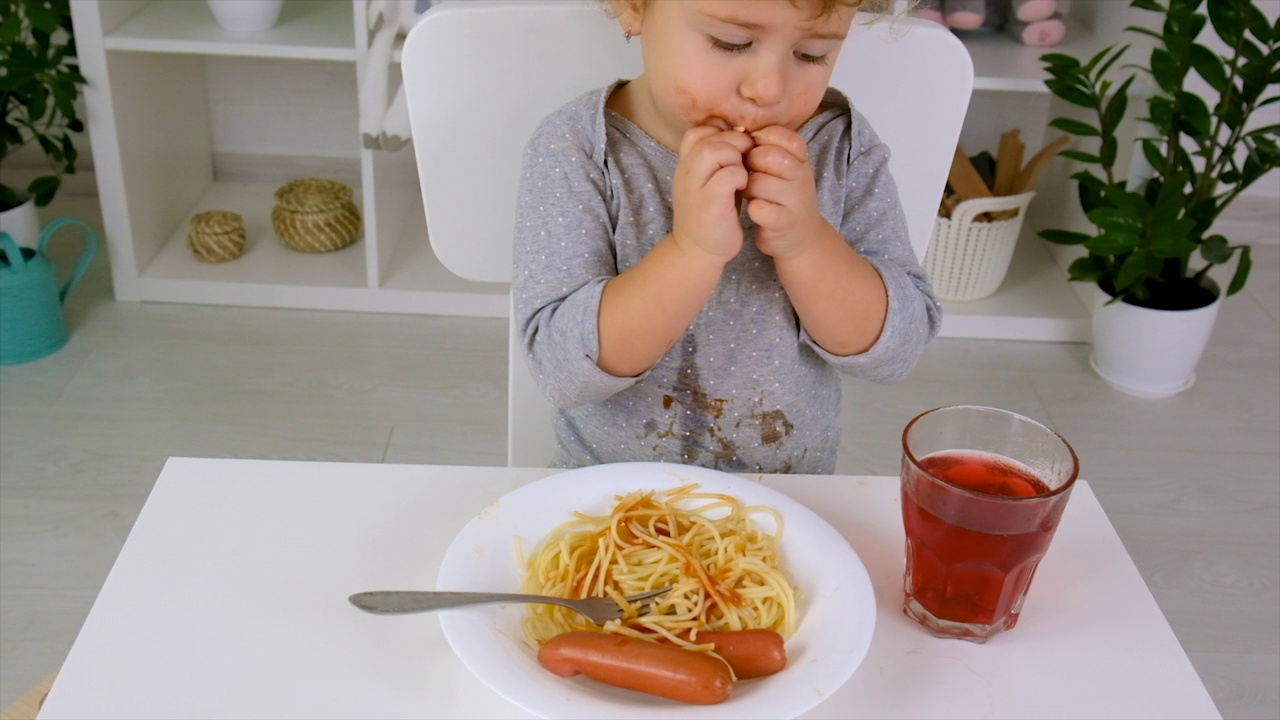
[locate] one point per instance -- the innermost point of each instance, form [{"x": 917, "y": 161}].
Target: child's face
[{"x": 735, "y": 63}]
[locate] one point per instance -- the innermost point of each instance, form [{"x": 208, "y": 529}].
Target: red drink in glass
[{"x": 978, "y": 518}]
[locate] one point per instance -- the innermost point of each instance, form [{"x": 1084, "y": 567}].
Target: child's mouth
[{"x": 723, "y": 124}]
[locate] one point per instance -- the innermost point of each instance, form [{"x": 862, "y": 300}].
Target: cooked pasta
[{"x": 725, "y": 572}]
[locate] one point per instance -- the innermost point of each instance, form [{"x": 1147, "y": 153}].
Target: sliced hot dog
[
  {"x": 751, "y": 653},
  {"x": 626, "y": 662}
]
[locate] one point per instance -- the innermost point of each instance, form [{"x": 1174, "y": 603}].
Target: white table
[{"x": 229, "y": 600}]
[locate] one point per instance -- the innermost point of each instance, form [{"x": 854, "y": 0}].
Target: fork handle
[{"x": 388, "y": 602}]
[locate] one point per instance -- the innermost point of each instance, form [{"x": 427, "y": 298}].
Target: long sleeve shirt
[{"x": 745, "y": 389}]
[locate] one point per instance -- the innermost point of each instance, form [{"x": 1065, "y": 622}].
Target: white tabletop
[{"x": 229, "y": 600}]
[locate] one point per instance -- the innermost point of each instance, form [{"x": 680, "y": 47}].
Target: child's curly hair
[
  {"x": 826, "y": 7},
  {"x": 822, "y": 8}
]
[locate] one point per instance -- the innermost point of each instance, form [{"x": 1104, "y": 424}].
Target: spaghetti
[{"x": 725, "y": 573}]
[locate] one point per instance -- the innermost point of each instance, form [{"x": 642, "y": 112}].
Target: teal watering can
[{"x": 31, "y": 320}]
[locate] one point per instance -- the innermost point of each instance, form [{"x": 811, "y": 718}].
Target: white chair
[{"x": 479, "y": 75}]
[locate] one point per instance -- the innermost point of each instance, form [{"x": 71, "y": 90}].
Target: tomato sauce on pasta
[{"x": 725, "y": 572}]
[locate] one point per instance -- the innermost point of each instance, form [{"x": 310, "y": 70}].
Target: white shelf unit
[{"x": 187, "y": 117}]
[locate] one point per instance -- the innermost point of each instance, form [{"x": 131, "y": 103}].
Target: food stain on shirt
[
  {"x": 774, "y": 426},
  {"x": 690, "y": 418},
  {"x": 696, "y": 414}
]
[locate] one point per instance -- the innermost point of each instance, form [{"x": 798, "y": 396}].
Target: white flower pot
[
  {"x": 1150, "y": 353},
  {"x": 246, "y": 15},
  {"x": 22, "y": 224}
]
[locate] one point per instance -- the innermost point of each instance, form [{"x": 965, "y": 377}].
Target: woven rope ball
[
  {"x": 216, "y": 236},
  {"x": 315, "y": 215}
]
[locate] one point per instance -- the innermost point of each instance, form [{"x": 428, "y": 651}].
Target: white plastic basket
[{"x": 966, "y": 259}]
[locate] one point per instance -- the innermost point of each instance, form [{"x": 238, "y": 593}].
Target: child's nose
[{"x": 765, "y": 82}]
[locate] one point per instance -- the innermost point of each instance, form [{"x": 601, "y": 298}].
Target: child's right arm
[{"x": 646, "y": 308}]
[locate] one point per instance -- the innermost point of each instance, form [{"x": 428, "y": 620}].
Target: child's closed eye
[
  {"x": 811, "y": 58},
  {"x": 729, "y": 47},
  {"x": 739, "y": 47}
]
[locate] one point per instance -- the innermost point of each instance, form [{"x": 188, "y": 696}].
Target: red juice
[{"x": 974, "y": 541}]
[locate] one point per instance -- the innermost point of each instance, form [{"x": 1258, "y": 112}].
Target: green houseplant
[
  {"x": 1152, "y": 245},
  {"x": 39, "y": 81}
]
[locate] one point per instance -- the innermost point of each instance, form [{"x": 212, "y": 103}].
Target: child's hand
[
  {"x": 782, "y": 200},
  {"x": 704, "y": 205}
]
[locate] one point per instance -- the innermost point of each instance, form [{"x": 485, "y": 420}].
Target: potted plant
[
  {"x": 1152, "y": 246},
  {"x": 39, "y": 81}
]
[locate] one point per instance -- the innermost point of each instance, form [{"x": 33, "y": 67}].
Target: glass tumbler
[{"x": 983, "y": 490}]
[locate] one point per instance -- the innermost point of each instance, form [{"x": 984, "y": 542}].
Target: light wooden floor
[{"x": 1192, "y": 483}]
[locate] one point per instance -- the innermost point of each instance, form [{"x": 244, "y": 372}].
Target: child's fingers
[
  {"x": 702, "y": 134},
  {"x": 778, "y": 136},
  {"x": 695, "y": 135},
  {"x": 768, "y": 186},
  {"x": 709, "y": 157},
  {"x": 765, "y": 213},
  {"x": 728, "y": 179},
  {"x": 709, "y": 160},
  {"x": 774, "y": 160}
]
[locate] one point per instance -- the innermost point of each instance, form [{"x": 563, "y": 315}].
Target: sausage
[
  {"x": 670, "y": 672},
  {"x": 751, "y": 653}
]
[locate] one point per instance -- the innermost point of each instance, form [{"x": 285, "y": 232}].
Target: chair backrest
[{"x": 480, "y": 74}]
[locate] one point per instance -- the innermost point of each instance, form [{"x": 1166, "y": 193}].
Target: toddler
[{"x": 700, "y": 250}]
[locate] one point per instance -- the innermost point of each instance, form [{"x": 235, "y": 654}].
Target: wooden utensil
[
  {"x": 1008, "y": 163},
  {"x": 964, "y": 178},
  {"x": 1030, "y": 174}
]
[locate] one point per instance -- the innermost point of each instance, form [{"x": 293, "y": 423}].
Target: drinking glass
[{"x": 983, "y": 490}]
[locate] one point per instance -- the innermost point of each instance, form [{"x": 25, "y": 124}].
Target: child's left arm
[{"x": 838, "y": 295}]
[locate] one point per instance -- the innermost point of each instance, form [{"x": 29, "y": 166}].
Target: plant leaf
[
  {"x": 1087, "y": 269},
  {"x": 1118, "y": 220},
  {"x": 10, "y": 26},
  {"x": 1144, "y": 31},
  {"x": 1107, "y": 151},
  {"x": 1166, "y": 70},
  {"x": 1196, "y": 120},
  {"x": 1090, "y": 196},
  {"x": 1074, "y": 127},
  {"x": 1226, "y": 21},
  {"x": 1215, "y": 249},
  {"x": 1256, "y": 22},
  {"x": 1084, "y": 177},
  {"x": 1071, "y": 93},
  {"x": 1112, "y": 243},
  {"x": 1060, "y": 60},
  {"x": 1106, "y": 64},
  {"x": 1242, "y": 271},
  {"x": 1116, "y": 107},
  {"x": 43, "y": 189},
  {"x": 1151, "y": 151},
  {"x": 1065, "y": 237},
  {"x": 1170, "y": 243},
  {"x": 1081, "y": 156},
  {"x": 1209, "y": 66},
  {"x": 1132, "y": 271}
]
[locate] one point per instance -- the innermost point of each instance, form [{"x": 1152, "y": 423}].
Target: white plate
[{"x": 834, "y": 598}]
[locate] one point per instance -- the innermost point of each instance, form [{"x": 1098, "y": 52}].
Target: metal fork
[{"x": 598, "y": 610}]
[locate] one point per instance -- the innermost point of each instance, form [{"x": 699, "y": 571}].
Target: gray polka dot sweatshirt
[{"x": 745, "y": 389}]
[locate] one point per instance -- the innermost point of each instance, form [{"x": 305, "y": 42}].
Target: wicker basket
[
  {"x": 967, "y": 259},
  {"x": 216, "y": 236},
  {"x": 315, "y": 215}
]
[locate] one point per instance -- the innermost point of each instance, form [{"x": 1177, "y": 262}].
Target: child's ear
[{"x": 630, "y": 14}]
